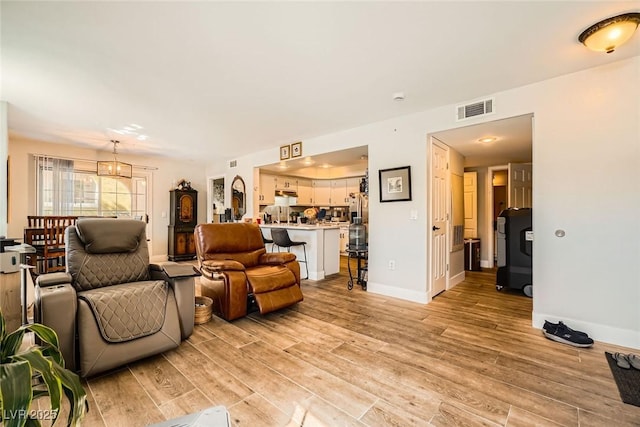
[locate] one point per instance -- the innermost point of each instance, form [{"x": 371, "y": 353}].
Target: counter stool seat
[
  {"x": 281, "y": 239},
  {"x": 267, "y": 241}
]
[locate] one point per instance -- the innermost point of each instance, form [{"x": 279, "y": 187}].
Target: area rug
[{"x": 627, "y": 380}]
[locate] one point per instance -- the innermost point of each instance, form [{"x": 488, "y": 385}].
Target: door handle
[{"x": 435, "y": 228}]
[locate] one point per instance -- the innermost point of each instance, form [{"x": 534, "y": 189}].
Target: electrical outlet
[{"x": 392, "y": 264}]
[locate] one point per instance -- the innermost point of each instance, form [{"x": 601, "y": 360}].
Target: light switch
[
  {"x": 163, "y": 214},
  {"x": 413, "y": 214}
]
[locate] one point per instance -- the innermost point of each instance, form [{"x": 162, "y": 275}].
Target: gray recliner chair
[{"x": 111, "y": 306}]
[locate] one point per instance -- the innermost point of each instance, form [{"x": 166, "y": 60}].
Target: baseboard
[
  {"x": 485, "y": 264},
  {"x": 603, "y": 333},
  {"x": 392, "y": 291},
  {"x": 458, "y": 278},
  {"x": 313, "y": 275},
  {"x": 159, "y": 258}
]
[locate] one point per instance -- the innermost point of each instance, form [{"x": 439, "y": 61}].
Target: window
[{"x": 68, "y": 187}]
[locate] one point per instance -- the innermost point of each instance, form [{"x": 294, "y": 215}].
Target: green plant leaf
[
  {"x": 75, "y": 393},
  {"x": 11, "y": 344},
  {"x": 49, "y": 341},
  {"x": 15, "y": 389},
  {"x": 2, "y": 327},
  {"x": 54, "y": 385}
]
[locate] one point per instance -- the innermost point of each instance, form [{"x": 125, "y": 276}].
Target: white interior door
[
  {"x": 470, "y": 205},
  {"x": 439, "y": 218},
  {"x": 520, "y": 185}
]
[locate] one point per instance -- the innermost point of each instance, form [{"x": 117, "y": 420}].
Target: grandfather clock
[{"x": 182, "y": 221}]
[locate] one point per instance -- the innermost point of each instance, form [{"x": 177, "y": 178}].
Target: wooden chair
[
  {"x": 34, "y": 236},
  {"x": 35, "y": 221},
  {"x": 54, "y": 249}
]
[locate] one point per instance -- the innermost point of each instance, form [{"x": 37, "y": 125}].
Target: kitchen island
[{"x": 323, "y": 247}]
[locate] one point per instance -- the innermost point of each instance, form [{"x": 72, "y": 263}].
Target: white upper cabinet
[
  {"x": 267, "y": 192},
  {"x": 322, "y": 192},
  {"x": 287, "y": 183},
  {"x": 305, "y": 192},
  {"x": 339, "y": 192},
  {"x": 353, "y": 185}
]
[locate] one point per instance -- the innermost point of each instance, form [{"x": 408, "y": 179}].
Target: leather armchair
[
  {"x": 236, "y": 268},
  {"x": 111, "y": 306}
]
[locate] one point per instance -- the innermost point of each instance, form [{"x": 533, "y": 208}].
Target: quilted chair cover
[{"x": 123, "y": 314}]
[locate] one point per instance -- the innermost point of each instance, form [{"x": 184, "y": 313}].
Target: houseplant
[{"x": 34, "y": 372}]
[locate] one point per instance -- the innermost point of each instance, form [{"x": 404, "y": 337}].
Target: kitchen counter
[
  {"x": 322, "y": 248},
  {"x": 297, "y": 226}
]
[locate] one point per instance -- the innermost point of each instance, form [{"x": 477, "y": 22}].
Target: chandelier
[{"x": 114, "y": 167}]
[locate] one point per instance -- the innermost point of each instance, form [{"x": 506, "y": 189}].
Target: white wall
[
  {"x": 168, "y": 172},
  {"x": 586, "y": 168},
  {"x": 4, "y": 151}
]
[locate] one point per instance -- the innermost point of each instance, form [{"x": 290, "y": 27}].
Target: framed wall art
[
  {"x": 395, "y": 184},
  {"x": 285, "y": 152},
  {"x": 296, "y": 149}
]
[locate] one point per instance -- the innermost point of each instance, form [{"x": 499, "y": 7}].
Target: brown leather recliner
[
  {"x": 235, "y": 264},
  {"x": 111, "y": 306}
]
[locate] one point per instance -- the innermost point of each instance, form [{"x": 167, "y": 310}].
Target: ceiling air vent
[
  {"x": 233, "y": 163},
  {"x": 475, "y": 109}
]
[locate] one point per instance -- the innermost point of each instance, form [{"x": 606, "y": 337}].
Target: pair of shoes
[
  {"x": 562, "y": 333},
  {"x": 626, "y": 361}
]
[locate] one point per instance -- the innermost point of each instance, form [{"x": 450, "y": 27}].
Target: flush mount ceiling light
[
  {"x": 487, "y": 139},
  {"x": 398, "y": 96},
  {"x": 114, "y": 167},
  {"x": 608, "y": 34}
]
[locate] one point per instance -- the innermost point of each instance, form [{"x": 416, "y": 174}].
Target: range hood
[
  {"x": 286, "y": 198},
  {"x": 286, "y": 193}
]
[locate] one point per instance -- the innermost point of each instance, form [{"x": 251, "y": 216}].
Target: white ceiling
[{"x": 211, "y": 79}]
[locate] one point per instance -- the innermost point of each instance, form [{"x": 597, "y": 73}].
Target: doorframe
[
  {"x": 447, "y": 234},
  {"x": 489, "y": 213},
  {"x": 210, "y": 180}
]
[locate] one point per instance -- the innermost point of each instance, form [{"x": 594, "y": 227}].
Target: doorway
[
  {"x": 484, "y": 149},
  {"x": 216, "y": 195}
]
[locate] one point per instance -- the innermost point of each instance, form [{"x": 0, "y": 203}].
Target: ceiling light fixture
[
  {"x": 608, "y": 34},
  {"x": 487, "y": 139},
  {"x": 114, "y": 167},
  {"x": 398, "y": 96}
]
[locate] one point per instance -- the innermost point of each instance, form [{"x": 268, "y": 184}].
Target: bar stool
[
  {"x": 281, "y": 239},
  {"x": 267, "y": 241}
]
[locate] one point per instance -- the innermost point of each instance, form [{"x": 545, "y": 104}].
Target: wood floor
[{"x": 352, "y": 358}]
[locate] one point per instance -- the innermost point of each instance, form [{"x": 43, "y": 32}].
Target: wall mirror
[{"x": 238, "y": 197}]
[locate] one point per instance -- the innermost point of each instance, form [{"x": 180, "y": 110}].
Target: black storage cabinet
[
  {"x": 472, "y": 255},
  {"x": 515, "y": 250}
]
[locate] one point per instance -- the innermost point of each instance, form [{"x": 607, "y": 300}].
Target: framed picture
[
  {"x": 296, "y": 149},
  {"x": 395, "y": 184},
  {"x": 285, "y": 152}
]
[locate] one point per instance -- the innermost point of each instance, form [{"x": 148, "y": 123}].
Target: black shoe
[
  {"x": 562, "y": 333},
  {"x": 548, "y": 326}
]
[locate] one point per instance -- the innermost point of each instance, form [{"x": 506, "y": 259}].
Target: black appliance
[{"x": 515, "y": 244}]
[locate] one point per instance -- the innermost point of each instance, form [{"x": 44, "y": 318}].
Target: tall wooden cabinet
[{"x": 182, "y": 221}]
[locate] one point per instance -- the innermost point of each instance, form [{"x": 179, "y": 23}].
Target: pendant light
[
  {"x": 114, "y": 167},
  {"x": 608, "y": 34}
]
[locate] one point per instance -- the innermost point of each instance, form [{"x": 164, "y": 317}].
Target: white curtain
[{"x": 54, "y": 185}]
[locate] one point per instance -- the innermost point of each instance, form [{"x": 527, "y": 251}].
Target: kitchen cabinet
[
  {"x": 305, "y": 192},
  {"x": 344, "y": 240},
  {"x": 287, "y": 183},
  {"x": 322, "y": 192},
  {"x": 339, "y": 193},
  {"x": 353, "y": 185},
  {"x": 267, "y": 192}
]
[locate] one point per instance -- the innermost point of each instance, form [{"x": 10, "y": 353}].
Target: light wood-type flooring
[{"x": 353, "y": 358}]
